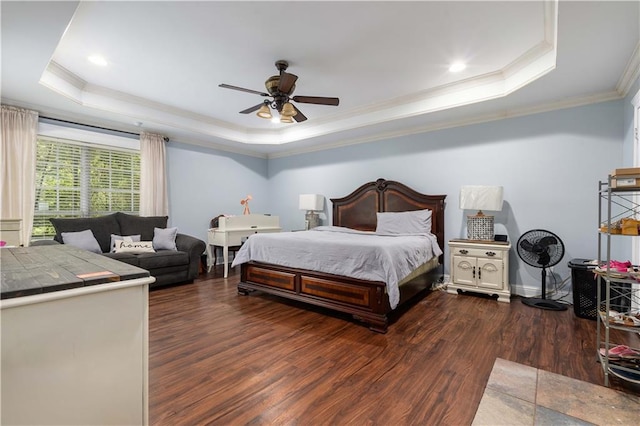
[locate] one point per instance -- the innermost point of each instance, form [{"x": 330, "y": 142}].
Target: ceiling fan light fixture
[
  {"x": 272, "y": 84},
  {"x": 280, "y": 89},
  {"x": 288, "y": 110},
  {"x": 264, "y": 112}
]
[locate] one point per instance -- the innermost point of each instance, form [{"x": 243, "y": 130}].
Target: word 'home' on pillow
[
  {"x": 117, "y": 238},
  {"x": 128, "y": 246}
]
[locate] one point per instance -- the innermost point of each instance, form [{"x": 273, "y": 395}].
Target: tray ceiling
[{"x": 388, "y": 62}]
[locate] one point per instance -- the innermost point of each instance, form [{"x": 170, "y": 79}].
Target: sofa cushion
[
  {"x": 124, "y": 246},
  {"x": 162, "y": 259},
  {"x": 143, "y": 225},
  {"x": 82, "y": 239},
  {"x": 101, "y": 226},
  {"x": 115, "y": 238},
  {"x": 164, "y": 238},
  {"x": 130, "y": 258}
]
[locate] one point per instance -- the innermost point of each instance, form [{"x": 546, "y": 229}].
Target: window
[{"x": 80, "y": 179}]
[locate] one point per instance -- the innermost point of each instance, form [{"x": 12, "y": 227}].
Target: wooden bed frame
[{"x": 366, "y": 301}]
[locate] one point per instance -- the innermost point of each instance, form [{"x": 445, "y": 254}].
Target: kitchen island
[{"x": 74, "y": 338}]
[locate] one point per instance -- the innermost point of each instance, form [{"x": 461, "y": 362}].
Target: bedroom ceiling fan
[{"x": 280, "y": 90}]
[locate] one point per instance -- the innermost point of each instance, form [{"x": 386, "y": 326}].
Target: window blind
[{"x": 79, "y": 179}]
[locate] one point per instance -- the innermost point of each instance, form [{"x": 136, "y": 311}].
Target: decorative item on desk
[
  {"x": 311, "y": 203},
  {"x": 478, "y": 197},
  {"x": 245, "y": 203}
]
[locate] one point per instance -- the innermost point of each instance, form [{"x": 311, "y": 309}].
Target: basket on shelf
[{"x": 625, "y": 226}]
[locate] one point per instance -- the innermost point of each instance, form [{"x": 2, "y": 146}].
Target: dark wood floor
[{"x": 220, "y": 358}]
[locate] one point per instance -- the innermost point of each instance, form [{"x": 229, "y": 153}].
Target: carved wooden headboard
[{"x": 358, "y": 209}]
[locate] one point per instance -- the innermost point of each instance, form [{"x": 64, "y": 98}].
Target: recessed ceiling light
[
  {"x": 97, "y": 60},
  {"x": 457, "y": 66}
]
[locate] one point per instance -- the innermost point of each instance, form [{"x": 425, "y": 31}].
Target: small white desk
[{"x": 232, "y": 230}]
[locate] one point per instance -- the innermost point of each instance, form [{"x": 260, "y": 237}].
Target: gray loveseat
[{"x": 167, "y": 266}]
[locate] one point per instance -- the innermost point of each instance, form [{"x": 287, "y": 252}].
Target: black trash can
[{"x": 585, "y": 287}]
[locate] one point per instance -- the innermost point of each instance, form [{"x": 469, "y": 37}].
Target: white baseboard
[{"x": 532, "y": 291}]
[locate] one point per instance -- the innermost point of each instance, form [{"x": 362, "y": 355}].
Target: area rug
[{"x": 520, "y": 395}]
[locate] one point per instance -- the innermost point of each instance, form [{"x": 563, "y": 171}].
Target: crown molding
[
  {"x": 240, "y": 150},
  {"x": 630, "y": 74},
  {"x": 472, "y": 120},
  {"x": 477, "y": 119},
  {"x": 535, "y": 62}
]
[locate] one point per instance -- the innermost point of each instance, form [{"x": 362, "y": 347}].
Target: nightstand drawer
[{"x": 477, "y": 252}]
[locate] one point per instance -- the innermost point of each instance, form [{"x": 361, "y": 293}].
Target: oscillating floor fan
[{"x": 541, "y": 249}]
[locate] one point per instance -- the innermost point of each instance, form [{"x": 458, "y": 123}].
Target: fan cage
[{"x": 555, "y": 251}]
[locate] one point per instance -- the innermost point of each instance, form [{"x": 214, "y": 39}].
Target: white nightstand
[{"x": 480, "y": 267}]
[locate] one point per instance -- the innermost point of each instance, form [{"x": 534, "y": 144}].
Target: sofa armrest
[
  {"x": 43, "y": 243},
  {"x": 194, "y": 248}
]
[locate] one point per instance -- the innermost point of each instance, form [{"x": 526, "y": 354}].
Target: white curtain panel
[
  {"x": 18, "y": 162},
  {"x": 153, "y": 180}
]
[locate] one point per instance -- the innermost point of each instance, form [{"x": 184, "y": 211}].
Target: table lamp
[
  {"x": 311, "y": 203},
  {"x": 478, "y": 197}
]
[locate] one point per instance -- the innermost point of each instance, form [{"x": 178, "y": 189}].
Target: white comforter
[{"x": 344, "y": 251}]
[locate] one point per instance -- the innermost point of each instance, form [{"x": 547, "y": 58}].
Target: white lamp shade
[
  {"x": 478, "y": 197},
  {"x": 311, "y": 202}
]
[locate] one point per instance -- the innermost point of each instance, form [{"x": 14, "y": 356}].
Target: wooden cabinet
[
  {"x": 74, "y": 351},
  {"x": 480, "y": 267}
]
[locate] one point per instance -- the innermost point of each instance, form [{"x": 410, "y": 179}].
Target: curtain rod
[
  {"x": 166, "y": 139},
  {"x": 89, "y": 125}
]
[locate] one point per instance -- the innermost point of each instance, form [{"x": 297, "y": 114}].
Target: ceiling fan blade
[
  {"x": 242, "y": 89},
  {"x": 253, "y": 108},
  {"x": 286, "y": 82},
  {"x": 299, "y": 117},
  {"x": 318, "y": 100}
]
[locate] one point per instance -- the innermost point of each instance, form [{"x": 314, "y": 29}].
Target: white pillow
[
  {"x": 115, "y": 238},
  {"x": 124, "y": 246},
  {"x": 165, "y": 238},
  {"x": 83, "y": 239},
  {"x": 412, "y": 222}
]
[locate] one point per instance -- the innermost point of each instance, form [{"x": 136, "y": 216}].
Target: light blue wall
[
  {"x": 548, "y": 163},
  {"x": 204, "y": 183}
]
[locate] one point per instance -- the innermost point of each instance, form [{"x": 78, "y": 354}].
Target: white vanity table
[{"x": 233, "y": 229}]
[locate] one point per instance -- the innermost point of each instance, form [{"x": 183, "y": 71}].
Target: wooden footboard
[{"x": 366, "y": 301}]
